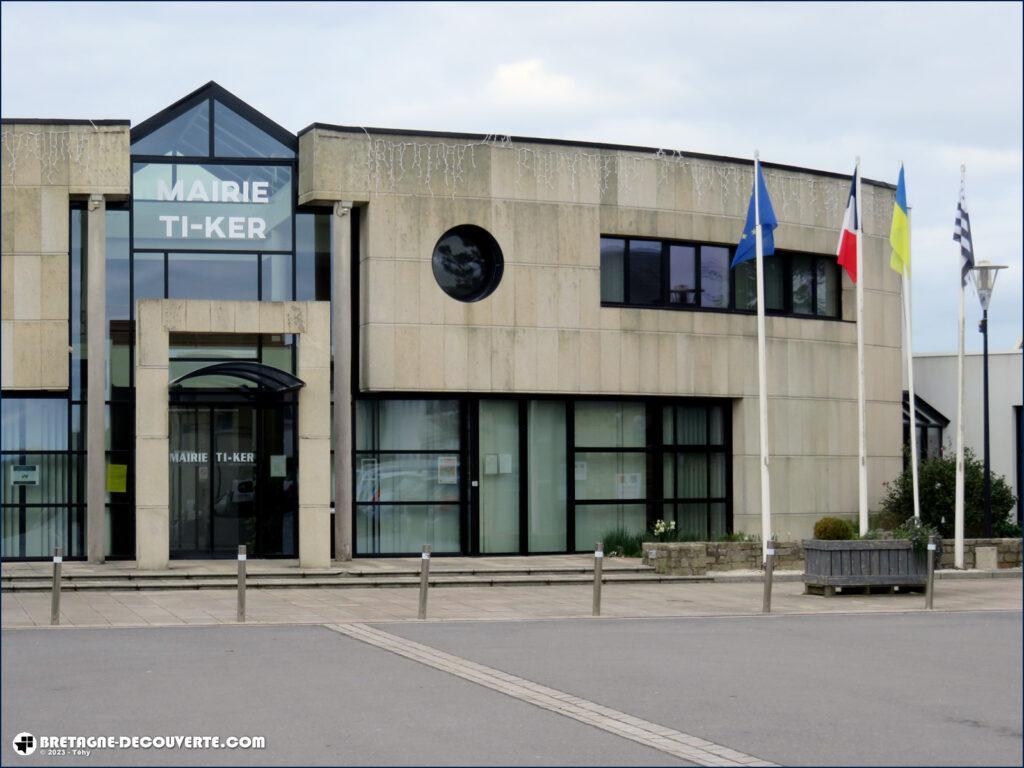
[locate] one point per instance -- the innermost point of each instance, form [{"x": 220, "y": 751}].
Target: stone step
[
  {"x": 305, "y": 575},
  {"x": 263, "y": 582}
]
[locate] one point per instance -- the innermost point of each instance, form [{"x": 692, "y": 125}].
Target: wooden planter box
[{"x": 884, "y": 564}]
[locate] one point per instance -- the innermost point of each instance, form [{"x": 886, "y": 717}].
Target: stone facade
[
  {"x": 544, "y": 331},
  {"x": 157, "y": 319},
  {"x": 43, "y": 166},
  {"x": 698, "y": 558}
]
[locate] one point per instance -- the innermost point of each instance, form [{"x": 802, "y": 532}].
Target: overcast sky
[{"x": 932, "y": 85}]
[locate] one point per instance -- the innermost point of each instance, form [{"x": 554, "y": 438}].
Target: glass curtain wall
[
  {"x": 408, "y": 483},
  {"x": 509, "y": 476}
]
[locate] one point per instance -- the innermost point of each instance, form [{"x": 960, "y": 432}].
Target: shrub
[
  {"x": 937, "y": 487},
  {"x": 623, "y": 543},
  {"x": 917, "y": 532},
  {"x": 833, "y": 528}
]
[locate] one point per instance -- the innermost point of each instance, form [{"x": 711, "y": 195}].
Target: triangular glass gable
[
  {"x": 234, "y": 136},
  {"x": 186, "y": 135}
]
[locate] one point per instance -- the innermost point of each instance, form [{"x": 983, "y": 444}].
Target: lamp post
[{"x": 985, "y": 274}]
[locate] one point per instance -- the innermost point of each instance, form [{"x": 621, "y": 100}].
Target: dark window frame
[
  {"x": 653, "y": 449},
  {"x": 671, "y": 447},
  {"x": 785, "y": 256}
]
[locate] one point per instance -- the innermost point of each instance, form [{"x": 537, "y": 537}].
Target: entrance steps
[{"x": 356, "y": 574}]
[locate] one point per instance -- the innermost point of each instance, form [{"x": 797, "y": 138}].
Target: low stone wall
[
  {"x": 1008, "y": 554},
  {"x": 697, "y": 558},
  {"x": 700, "y": 557}
]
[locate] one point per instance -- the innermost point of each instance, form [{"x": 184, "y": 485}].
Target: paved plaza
[{"x": 621, "y": 600}]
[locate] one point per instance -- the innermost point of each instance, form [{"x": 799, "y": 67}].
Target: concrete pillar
[
  {"x": 96, "y": 391},
  {"x": 341, "y": 336},
  {"x": 152, "y": 483}
]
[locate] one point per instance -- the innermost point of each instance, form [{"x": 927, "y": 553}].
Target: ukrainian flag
[{"x": 899, "y": 233}]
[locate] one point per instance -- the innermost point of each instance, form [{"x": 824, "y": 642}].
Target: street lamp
[{"x": 985, "y": 274}]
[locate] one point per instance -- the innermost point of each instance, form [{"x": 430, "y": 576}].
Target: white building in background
[{"x": 935, "y": 383}]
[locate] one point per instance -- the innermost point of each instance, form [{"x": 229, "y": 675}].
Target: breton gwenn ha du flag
[
  {"x": 851, "y": 231},
  {"x": 962, "y": 234}
]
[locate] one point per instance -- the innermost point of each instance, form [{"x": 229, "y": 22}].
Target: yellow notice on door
[{"x": 117, "y": 478}]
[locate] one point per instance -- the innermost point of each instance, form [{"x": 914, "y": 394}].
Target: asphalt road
[
  {"x": 318, "y": 697},
  {"x": 920, "y": 689},
  {"x": 902, "y": 689}
]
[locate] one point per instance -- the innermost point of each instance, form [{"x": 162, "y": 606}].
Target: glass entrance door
[
  {"x": 190, "y": 481},
  {"x": 233, "y": 475},
  {"x": 233, "y": 479}
]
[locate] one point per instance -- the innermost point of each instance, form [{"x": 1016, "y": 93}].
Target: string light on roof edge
[
  {"x": 52, "y": 148},
  {"x": 420, "y": 166},
  {"x": 409, "y": 166}
]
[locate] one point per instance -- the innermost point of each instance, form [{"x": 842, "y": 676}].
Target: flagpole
[
  {"x": 908, "y": 345},
  {"x": 958, "y": 517},
  {"x": 862, "y": 453},
  {"x": 762, "y": 372}
]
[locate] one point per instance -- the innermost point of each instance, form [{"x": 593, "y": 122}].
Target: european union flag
[{"x": 745, "y": 250}]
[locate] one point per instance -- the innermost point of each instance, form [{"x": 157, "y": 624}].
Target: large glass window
[
  {"x": 695, "y": 470},
  {"x": 613, "y": 276},
  {"x": 609, "y": 469},
  {"x": 714, "y": 276},
  {"x": 223, "y": 276},
  {"x": 745, "y": 280},
  {"x": 644, "y": 272},
  {"x": 547, "y": 476},
  {"x": 494, "y": 475},
  {"x": 40, "y": 507},
  {"x": 657, "y": 273},
  {"x": 312, "y": 257},
  {"x": 682, "y": 283},
  {"x": 187, "y": 135},
  {"x": 408, "y": 476},
  {"x": 234, "y": 136},
  {"x": 212, "y": 206}
]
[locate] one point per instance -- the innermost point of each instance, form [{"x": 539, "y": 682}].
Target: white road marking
[{"x": 691, "y": 748}]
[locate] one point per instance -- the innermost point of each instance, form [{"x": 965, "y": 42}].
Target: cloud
[{"x": 528, "y": 84}]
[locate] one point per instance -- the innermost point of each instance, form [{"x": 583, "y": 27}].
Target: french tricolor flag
[{"x": 851, "y": 231}]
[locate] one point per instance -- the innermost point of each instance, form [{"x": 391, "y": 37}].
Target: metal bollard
[
  {"x": 58, "y": 558},
  {"x": 769, "y": 571},
  {"x": 929, "y": 589},
  {"x": 241, "y": 582},
  {"x": 424, "y": 579},
  {"x": 598, "y": 567}
]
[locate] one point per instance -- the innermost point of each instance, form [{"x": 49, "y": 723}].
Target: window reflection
[
  {"x": 222, "y": 276},
  {"x": 188, "y": 135},
  {"x": 682, "y": 284},
  {"x": 467, "y": 263},
  {"x": 644, "y": 272},
  {"x": 714, "y": 276}
]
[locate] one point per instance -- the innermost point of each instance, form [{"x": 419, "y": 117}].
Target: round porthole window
[{"x": 467, "y": 263}]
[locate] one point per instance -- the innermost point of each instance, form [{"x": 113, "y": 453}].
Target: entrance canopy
[{"x": 265, "y": 377}]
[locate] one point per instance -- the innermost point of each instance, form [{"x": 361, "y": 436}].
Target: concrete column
[
  {"x": 96, "y": 323},
  {"x": 152, "y": 483},
  {"x": 341, "y": 336}
]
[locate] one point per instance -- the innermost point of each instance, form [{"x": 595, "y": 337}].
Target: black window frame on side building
[{"x": 786, "y": 258}]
